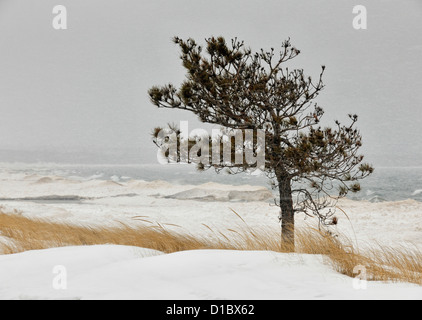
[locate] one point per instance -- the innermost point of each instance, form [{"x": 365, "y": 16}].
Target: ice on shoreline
[{"x": 203, "y": 194}]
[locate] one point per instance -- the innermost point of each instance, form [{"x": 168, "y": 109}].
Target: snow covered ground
[
  {"x": 118, "y": 272},
  {"x": 100, "y": 202}
]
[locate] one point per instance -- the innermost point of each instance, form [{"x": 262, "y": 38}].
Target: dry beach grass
[{"x": 404, "y": 264}]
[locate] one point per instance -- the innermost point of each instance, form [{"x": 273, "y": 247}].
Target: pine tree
[{"x": 231, "y": 86}]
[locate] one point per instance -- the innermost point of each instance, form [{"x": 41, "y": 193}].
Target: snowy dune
[{"x": 118, "y": 272}]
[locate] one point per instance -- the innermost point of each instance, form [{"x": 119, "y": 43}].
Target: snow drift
[{"x": 120, "y": 272}]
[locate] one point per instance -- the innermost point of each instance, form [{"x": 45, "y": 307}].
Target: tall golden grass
[{"x": 382, "y": 263}]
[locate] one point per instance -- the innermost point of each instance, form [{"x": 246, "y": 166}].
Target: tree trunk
[{"x": 287, "y": 212}]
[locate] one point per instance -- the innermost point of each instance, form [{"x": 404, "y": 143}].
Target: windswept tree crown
[{"x": 236, "y": 88}]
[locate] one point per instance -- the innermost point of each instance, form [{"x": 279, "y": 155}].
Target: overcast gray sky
[{"x": 82, "y": 92}]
